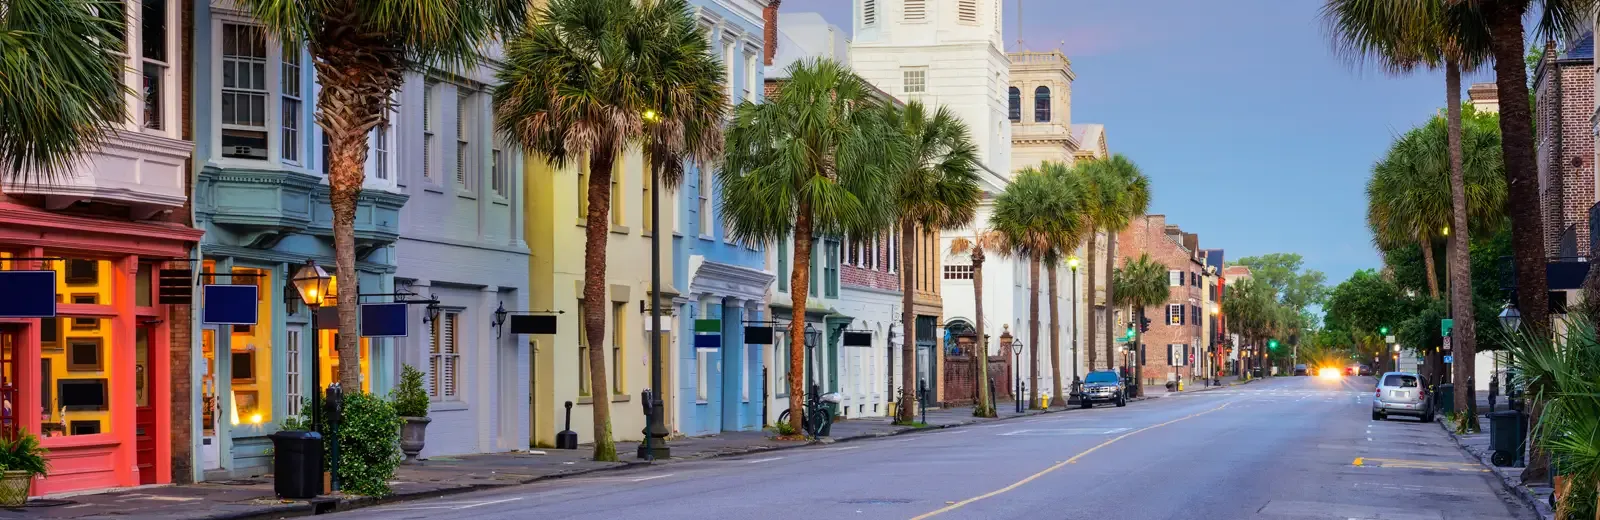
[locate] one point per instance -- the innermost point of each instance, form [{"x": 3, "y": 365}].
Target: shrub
[
  {"x": 369, "y": 444},
  {"x": 410, "y": 400},
  {"x": 23, "y": 454},
  {"x": 783, "y": 428}
]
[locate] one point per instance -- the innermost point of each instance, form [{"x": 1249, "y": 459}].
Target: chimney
[{"x": 769, "y": 16}]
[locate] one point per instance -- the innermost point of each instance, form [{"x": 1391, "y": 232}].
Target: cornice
[{"x": 12, "y": 214}]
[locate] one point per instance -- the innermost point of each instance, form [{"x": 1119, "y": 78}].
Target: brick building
[
  {"x": 1565, "y": 91},
  {"x": 1176, "y": 334}
]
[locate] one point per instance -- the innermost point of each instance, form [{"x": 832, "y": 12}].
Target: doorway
[
  {"x": 145, "y": 414},
  {"x": 10, "y": 337},
  {"x": 210, "y": 442}
]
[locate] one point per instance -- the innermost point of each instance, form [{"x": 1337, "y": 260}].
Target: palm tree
[
  {"x": 1251, "y": 307},
  {"x": 588, "y": 79},
  {"x": 1119, "y": 192},
  {"x": 1504, "y": 21},
  {"x": 937, "y": 189},
  {"x": 1037, "y": 213},
  {"x": 61, "y": 81},
  {"x": 1402, "y": 35},
  {"x": 974, "y": 247},
  {"x": 1140, "y": 282},
  {"x": 808, "y": 162}
]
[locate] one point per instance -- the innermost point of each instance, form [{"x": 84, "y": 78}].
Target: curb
[
  {"x": 352, "y": 503},
  {"x": 1507, "y": 482}
]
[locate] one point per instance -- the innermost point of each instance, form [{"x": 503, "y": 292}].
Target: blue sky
[{"x": 1253, "y": 133}]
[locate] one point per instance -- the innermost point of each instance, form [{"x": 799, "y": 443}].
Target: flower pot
[
  {"x": 412, "y": 433},
  {"x": 14, "y": 488}
]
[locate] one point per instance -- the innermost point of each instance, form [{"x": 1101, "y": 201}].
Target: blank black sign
[
  {"x": 533, "y": 324},
  {"x": 857, "y": 339},
  {"x": 758, "y": 335}
]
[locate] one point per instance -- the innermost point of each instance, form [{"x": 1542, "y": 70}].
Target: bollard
[
  {"x": 567, "y": 439},
  {"x": 922, "y": 398}
]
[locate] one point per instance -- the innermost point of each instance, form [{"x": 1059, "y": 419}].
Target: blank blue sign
[
  {"x": 230, "y": 304},
  {"x": 708, "y": 341},
  {"x": 383, "y": 320},
  {"x": 28, "y": 294},
  {"x": 1449, "y": 359}
]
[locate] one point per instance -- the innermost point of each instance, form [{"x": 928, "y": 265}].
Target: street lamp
[
  {"x": 1016, "y": 351},
  {"x": 1077, "y": 383},
  {"x": 314, "y": 283},
  {"x": 655, "y": 445},
  {"x": 1511, "y": 318}
]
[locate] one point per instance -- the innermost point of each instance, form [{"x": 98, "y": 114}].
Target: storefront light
[{"x": 313, "y": 283}]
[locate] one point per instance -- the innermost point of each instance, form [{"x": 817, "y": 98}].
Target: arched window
[
  {"x": 1041, "y": 104},
  {"x": 1016, "y": 104}
]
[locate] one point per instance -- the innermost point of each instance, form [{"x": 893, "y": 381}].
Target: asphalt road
[{"x": 1280, "y": 449}]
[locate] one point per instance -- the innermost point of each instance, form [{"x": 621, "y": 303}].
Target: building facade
[
  {"x": 1175, "y": 336},
  {"x": 1565, "y": 93},
  {"x": 104, "y": 381},
  {"x": 461, "y": 243},
  {"x": 262, "y": 199},
  {"x": 718, "y": 376}
]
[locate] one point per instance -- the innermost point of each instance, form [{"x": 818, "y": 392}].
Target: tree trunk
[
  {"x": 1088, "y": 296},
  {"x": 1055, "y": 338},
  {"x": 908, "y": 359},
  {"x": 1463, "y": 334},
  {"x": 1429, "y": 265},
  {"x": 1111, "y": 295},
  {"x": 595, "y": 303},
  {"x": 799, "y": 287},
  {"x": 344, "y": 183},
  {"x": 1033, "y": 332},
  {"x": 981, "y": 350}
]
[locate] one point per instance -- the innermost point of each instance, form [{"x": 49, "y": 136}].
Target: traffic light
[
  {"x": 1272, "y": 344},
  {"x": 1144, "y": 324},
  {"x": 1383, "y": 330},
  {"x": 1130, "y": 333}
]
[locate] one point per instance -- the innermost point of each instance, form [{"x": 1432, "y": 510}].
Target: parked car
[
  {"x": 1301, "y": 370},
  {"x": 1363, "y": 370},
  {"x": 1103, "y": 386},
  {"x": 1402, "y": 393}
]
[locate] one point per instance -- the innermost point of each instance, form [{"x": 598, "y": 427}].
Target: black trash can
[
  {"x": 297, "y": 464},
  {"x": 1506, "y": 437},
  {"x": 1445, "y": 398}
]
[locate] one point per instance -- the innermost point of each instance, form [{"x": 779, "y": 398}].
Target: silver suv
[{"x": 1402, "y": 393}]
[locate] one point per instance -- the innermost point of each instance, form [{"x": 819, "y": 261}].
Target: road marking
[
  {"x": 653, "y": 477},
  {"x": 1418, "y": 464},
  {"x": 1059, "y": 465},
  {"x": 840, "y": 448},
  {"x": 757, "y": 461},
  {"x": 1067, "y": 431},
  {"x": 457, "y": 505}
]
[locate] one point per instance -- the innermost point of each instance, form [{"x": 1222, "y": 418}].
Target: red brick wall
[
  {"x": 866, "y": 275},
  {"x": 1148, "y": 235},
  {"x": 180, "y": 340},
  {"x": 1569, "y": 188}
]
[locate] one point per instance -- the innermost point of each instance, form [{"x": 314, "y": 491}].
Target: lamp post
[
  {"x": 655, "y": 440},
  {"x": 1077, "y": 383},
  {"x": 312, "y": 282},
  {"x": 1016, "y": 351}
]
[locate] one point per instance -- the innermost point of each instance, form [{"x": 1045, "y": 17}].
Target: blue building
[
  {"x": 719, "y": 376},
  {"x": 261, "y": 197}
]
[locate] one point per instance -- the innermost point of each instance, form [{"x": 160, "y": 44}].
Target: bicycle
[{"x": 817, "y": 417}]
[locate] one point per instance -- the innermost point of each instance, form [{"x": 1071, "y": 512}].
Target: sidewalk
[
  {"x": 1159, "y": 391},
  {"x": 248, "y": 499},
  {"x": 1476, "y": 445}
]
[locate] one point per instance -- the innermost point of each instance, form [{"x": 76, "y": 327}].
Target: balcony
[
  {"x": 260, "y": 207},
  {"x": 141, "y": 170}
]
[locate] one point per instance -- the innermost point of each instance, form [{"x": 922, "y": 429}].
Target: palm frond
[{"x": 1040, "y": 212}]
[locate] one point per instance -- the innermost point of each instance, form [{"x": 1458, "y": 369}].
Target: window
[
  {"x": 291, "y": 372},
  {"x": 244, "y": 92},
  {"x": 499, "y": 179},
  {"x": 831, "y": 272},
  {"x": 585, "y": 384},
  {"x": 744, "y": 372},
  {"x": 916, "y": 10},
  {"x": 783, "y": 264},
  {"x": 780, "y": 348},
  {"x": 816, "y": 248},
  {"x": 894, "y": 253},
  {"x": 916, "y": 80},
  {"x": 153, "y": 54},
  {"x": 957, "y": 272},
  {"x": 428, "y": 141},
  {"x": 464, "y": 139},
  {"x": 618, "y": 347},
  {"x": 702, "y": 381},
  {"x": 292, "y": 99},
  {"x": 967, "y": 11},
  {"x": 380, "y": 151},
  {"x": 1041, "y": 104},
  {"x": 1174, "y": 278},
  {"x": 327, "y": 154},
  {"x": 751, "y": 79},
  {"x": 869, "y": 12},
  {"x": 583, "y": 187},
  {"x": 444, "y": 357},
  {"x": 250, "y": 354},
  {"x": 1015, "y": 105},
  {"x": 727, "y": 68},
  {"x": 1174, "y": 314},
  {"x": 618, "y": 203},
  {"x": 704, "y": 190}
]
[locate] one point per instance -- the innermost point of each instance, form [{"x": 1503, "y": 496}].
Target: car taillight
[{"x": 1379, "y": 393}]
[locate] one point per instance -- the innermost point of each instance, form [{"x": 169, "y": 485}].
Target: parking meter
[{"x": 335, "y": 404}]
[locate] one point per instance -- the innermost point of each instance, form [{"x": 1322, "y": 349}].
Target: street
[{"x": 1300, "y": 447}]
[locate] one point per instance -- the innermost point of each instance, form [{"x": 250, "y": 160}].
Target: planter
[
  {"x": 14, "y": 488},
  {"x": 412, "y": 434}
]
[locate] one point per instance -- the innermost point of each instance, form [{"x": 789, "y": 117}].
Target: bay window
[
  {"x": 244, "y": 91},
  {"x": 292, "y": 101}
]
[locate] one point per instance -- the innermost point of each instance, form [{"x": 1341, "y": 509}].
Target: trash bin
[
  {"x": 297, "y": 464},
  {"x": 1445, "y": 398},
  {"x": 1506, "y": 437}
]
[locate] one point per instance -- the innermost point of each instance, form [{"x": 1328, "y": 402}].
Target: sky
[{"x": 1253, "y": 133}]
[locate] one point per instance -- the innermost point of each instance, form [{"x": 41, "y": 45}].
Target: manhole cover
[
  {"x": 240, "y": 482},
  {"x": 41, "y": 502},
  {"x": 876, "y": 501}
]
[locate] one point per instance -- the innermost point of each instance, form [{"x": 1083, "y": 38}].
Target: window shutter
[
  {"x": 916, "y": 9},
  {"x": 1174, "y": 278},
  {"x": 869, "y": 12},
  {"x": 451, "y": 356},
  {"x": 967, "y": 10},
  {"x": 433, "y": 359}
]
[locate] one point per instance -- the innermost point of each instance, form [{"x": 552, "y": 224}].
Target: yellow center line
[{"x": 1059, "y": 465}]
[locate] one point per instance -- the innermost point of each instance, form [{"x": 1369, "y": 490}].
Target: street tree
[
  {"x": 1118, "y": 192},
  {"x": 1250, "y": 305},
  {"x": 974, "y": 248},
  {"x": 936, "y": 189},
  {"x": 1141, "y": 282},
  {"x": 809, "y": 162},
  {"x": 1040, "y": 210},
  {"x": 61, "y": 76},
  {"x": 584, "y": 81}
]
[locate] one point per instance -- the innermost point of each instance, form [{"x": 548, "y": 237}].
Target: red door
[{"x": 145, "y": 415}]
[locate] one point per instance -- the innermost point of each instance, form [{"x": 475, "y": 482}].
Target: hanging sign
[
  {"x": 857, "y": 339},
  {"x": 383, "y": 320},
  {"x": 230, "y": 304},
  {"x": 534, "y": 324},
  {"x": 761, "y": 335},
  {"x": 28, "y": 294},
  {"x": 708, "y": 341},
  {"x": 711, "y": 326},
  {"x": 175, "y": 286}
]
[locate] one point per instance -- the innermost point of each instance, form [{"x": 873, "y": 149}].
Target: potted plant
[
  {"x": 21, "y": 459},
  {"x": 411, "y": 404}
]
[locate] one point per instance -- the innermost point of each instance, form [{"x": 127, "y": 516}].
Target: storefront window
[
  {"x": 142, "y": 285},
  {"x": 78, "y": 378},
  {"x": 250, "y": 354},
  {"x": 328, "y": 340},
  {"x": 208, "y": 383}
]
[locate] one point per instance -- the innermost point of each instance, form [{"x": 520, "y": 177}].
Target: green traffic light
[
  {"x": 1130, "y": 332},
  {"x": 1383, "y": 330}
]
